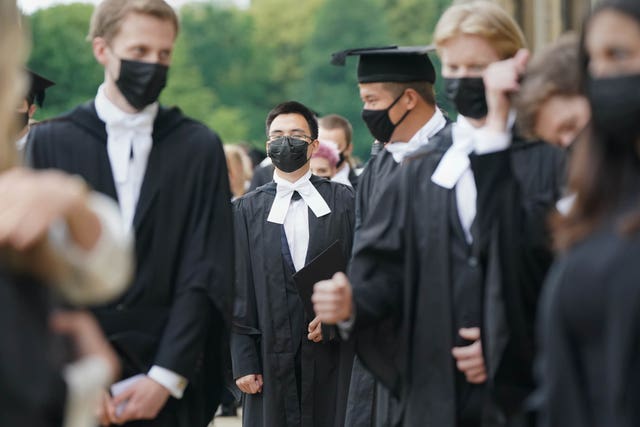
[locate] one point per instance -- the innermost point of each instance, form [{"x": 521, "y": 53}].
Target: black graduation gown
[
  {"x": 401, "y": 271},
  {"x": 353, "y": 179},
  {"x": 589, "y": 361},
  {"x": 261, "y": 175},
  {"x": 264, "y": 332},
  {"x": 368, "y": 401},
  {"x": 174, "y": 313},
  {"x": 31, "y": 358}
]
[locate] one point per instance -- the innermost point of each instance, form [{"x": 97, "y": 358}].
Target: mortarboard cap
[
  {"x": 391, "y": 63},
  {"x": 37, "y": 86}
]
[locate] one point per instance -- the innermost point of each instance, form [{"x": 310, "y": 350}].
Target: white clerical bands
[{"x": 307, "y": 191}]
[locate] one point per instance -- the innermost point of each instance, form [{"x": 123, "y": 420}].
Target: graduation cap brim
[
  {"x": 391, "y": 63},
  {"x": 37, "y": 86}
]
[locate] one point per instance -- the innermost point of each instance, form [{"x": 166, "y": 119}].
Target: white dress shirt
[
  {"x": 400, "y": 150},
  {"x": 22, "y": 142},
  {"x": 129, "y": 142},
  {"x": 454, "y": 170},
  {"x": 342, "y": 176},
  {"x": 296, "y": 213}
]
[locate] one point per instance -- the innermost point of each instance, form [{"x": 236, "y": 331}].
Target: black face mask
[
  {"x": 615, "y": 107},
  {"x": 468, "y": 96},
  {"x": 141, "y": 82},
  {"x": 288, "y": 154},
  {"x": 22, "y": 120},
  {"x": 379, "y": 123},
  {"x": 340, "y": 160}
]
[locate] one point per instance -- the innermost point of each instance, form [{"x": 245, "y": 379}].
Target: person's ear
[
  {"x": 32, "y": 110},
  {"x": 411, "y": 99},
  {"x": 314, "y": 146},
  {"x": 100, "y": 47}
]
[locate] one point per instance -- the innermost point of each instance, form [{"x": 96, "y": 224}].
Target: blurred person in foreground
[
  {"x": 589, "y": 360},
  {"x": 56, "y": 238}
]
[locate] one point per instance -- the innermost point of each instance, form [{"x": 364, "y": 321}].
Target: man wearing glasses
[{"x": 285, "y": 362}]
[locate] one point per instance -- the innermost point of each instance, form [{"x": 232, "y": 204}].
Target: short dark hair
[
  {"x": 424, "y": 89},
  {"x": 334, "y": 121},
  {"x": 293, "y": 107}
]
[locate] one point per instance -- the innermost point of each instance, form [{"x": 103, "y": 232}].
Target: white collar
[
  {"x": 284, "y": 192},
  {"x": 456, "y": 161},
  {"x": 109, "y": 113},
  {"x": 22, "y": 142},
  {"x": 342, "y": 176},
  {"x": 126, "y": 133},
  {"x": 400, "y": 150}
]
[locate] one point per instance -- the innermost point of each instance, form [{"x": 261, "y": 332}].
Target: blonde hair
[
  {"x": 239, "y": 164},
  {"x": 481, "y": 18},
  {"x": 13, "y": 80},
  {"x": 109, "y": 14}
]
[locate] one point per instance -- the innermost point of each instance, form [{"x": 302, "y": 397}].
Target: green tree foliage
[
  {"x": 61, "y": 53},
  {"x": 231, "y": 66},
  {"x": 330, "y": 89}
]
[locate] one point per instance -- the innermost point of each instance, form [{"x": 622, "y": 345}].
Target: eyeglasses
[{"x": 301, "y": 136}]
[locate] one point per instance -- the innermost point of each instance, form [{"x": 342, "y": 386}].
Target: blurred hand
[
  {"x": 106, "y": 410},
  {"x": 31, "y": 201},
  {"x": 87, "y": 337},
  {"x": 500, "y": 80},
  {"x": 315, "y": 330},
  {"x": 469, "y": 359},
  {"x": 143, "y": 401},
  {"x": 250, "y": 384},
  {"x": 332, "y": 299}
]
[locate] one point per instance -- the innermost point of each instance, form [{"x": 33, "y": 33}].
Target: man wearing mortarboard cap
[
  {"x": 34, "y": 99},
  {"x": 396, "y": 87},
  {"x": 430, "y": 285}
]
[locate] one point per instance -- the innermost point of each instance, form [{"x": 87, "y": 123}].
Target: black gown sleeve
[
  {"x": 376, "y": 270},
  {"x": 245, "y": 333},
  {"x": 512, "y": 231},
  {"x": 203, "y": 288}
]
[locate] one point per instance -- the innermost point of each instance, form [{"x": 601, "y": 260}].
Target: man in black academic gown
[
  {"x": 168, "y": 174},
  {"x": 286, "y": 362},
  {"x": 457, "y": 279},
  {"x": 396, "y": 87}
]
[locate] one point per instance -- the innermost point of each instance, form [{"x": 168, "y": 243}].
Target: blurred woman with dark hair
[{"x": 589, "y": 366}]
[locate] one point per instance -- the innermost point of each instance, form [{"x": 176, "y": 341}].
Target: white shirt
[
  {"x": 22, "y": 142},
  {"x": 342, "y": 176},
  {"x": 129, "y": 142},
  {"x": 400, "y": 150},
  {"x": 296, "y": 213},
  {"x": 454, "y": 170}
]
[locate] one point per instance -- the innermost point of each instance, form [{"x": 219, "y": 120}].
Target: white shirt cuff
[
  {"x": 345, "y": 328},
  {"x": 489, "y": 141},
  {"x": 103, "y": 272},
  {"x": 168, "y": 379}
]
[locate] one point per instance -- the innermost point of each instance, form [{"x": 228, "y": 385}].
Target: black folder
[{"x": 322, "y": 267}]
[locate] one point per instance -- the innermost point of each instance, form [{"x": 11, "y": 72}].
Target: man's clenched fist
[{"x": 332, "y": 299}]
